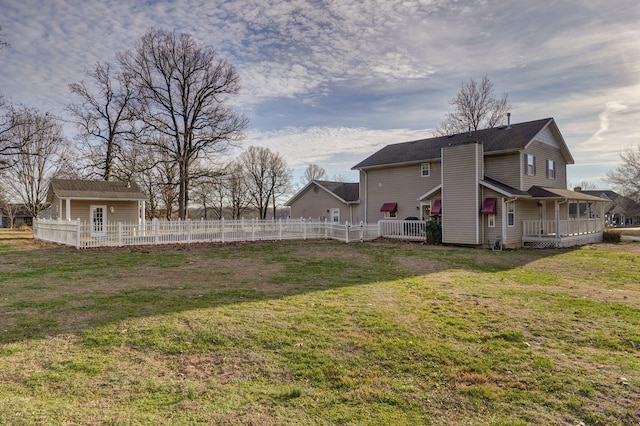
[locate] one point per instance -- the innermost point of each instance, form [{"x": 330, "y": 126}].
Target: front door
[
  {"x": 98, "y": 220},
  {"x": 426, "y": 211}
]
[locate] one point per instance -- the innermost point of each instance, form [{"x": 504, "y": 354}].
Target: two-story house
[{"x": 502, "y": 186}]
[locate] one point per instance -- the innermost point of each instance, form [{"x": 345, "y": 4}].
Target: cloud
[
  {"x": 335, "y": 149},
  {"x": 339, "y": 78}
]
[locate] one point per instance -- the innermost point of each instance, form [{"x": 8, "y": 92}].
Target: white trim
[
  {"x": 428, "y": 169},
  {"x": 101, "y": 198},
  {"x": 514, "y": 213},
  {"x": 331, "y": 214},
  {"x": 430, "y": 193},
  {"x": 92, "y": 220}
]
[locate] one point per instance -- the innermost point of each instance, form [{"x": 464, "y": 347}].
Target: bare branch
[
  {"x": 476, "y": 107},
  {"x": 183, "y": 90},
  {"x": 626, "y": 176}
]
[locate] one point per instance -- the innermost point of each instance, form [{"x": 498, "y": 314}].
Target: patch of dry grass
[{"x": 318, "y": 332}]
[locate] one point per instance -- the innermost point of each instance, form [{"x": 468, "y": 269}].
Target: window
[
  {"x": 425, "y": 169},
  {"x": 390, "y": 210},
  {"x": 551, "y": 169},
  {"x": 511, "y": 213},
  {"x": 530, "y": 164},
  {"x": 491, "y": 221}
]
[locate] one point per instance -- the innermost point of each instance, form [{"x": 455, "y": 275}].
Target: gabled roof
[
  {"x": 494, "y": 140},
  {"x": 94, "y": 190},
  {"x": 620, "y": 203},
  {"x": 347, "y": 192}
]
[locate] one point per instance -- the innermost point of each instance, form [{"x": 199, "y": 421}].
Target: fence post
[
  {"x": 77, "y": 234},
  {"x": 304, "y": 230},
  {"x": 346, "y": 227},
  {"x": 280, "y": 229},
  {"x": 119, "y": 234},
  {"x": 253, "y": 229},
  {"x": 361, "y": 232},
  {"x": 326, "y": 229},
  {"x": 154, "y": 225},
  {"x": 222, "y": 228}
]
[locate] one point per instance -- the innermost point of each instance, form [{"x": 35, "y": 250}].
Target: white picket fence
[{"x": 155, "y": 232}]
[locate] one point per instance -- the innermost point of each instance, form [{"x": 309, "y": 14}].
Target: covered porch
[{"x": 578, "y": 219}]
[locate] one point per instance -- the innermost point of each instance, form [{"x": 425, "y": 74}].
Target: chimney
[{"x": 508, "y": 120}]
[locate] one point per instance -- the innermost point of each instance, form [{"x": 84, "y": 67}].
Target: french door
[{"x": 98, "y": 220}]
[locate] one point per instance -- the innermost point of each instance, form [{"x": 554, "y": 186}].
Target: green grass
[{"x": 318, "y": 332}]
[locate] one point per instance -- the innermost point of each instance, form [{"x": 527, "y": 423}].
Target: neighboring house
[
  {"x": 503, "y": 186},
  {"x": 619, "y": 210},
  {"x": 327, "y": 201},
  {"x": 18, "y": 212},
  {"x": 96, "y": 202}
]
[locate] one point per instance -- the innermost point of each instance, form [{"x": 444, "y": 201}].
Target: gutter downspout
[{"x": 366, "y": 198}]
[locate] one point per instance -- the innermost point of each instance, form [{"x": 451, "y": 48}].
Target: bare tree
[
  {"x": 3, "y": 43},
  {"x": 626, "y": 176},
  {"x": 183, "y": 94},
  {"x": 583, "y": 185},
  {"x": 11, "y": 118},
  {"x": 41, "y": 145},
  {"x": 266, "y": 177},
  {"x": 11, "y": 212},
  {"x": 476, "y": 107},
  {"x": 236, "y": 189},
  {"x": 103, "y": 118},
  {"x": 313, "y": 172}
]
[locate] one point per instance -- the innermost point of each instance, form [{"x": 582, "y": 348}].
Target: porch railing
[{"x": 571, "y": 227}]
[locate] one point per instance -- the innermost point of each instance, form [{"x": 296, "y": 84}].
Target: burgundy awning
[
  {"x": 436, "y": 208},
  {"x": 389, "y": 207},
  {"x": 489, "y": 206}
]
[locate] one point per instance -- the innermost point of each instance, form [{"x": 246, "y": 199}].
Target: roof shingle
[
  {"x": 94, "y": 189},
  {"x": 497, "y": 139}
]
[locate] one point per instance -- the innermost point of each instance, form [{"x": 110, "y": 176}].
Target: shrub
[
  {"x": 433, "y": 232},
  {"x": 611, "y": 237}
]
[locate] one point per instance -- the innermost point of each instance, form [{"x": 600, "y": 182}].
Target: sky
[{"x": 330, "y": 82}]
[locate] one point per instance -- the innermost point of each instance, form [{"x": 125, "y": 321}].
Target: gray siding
[
  {"x": 402, "y": 185},
  {"x": 314, "y": 203},
  {"x": 488, "y": 234},
  {"x": 462, "y": 168},
  {"x": 542, "y": 153},
  {"x": 123, "y": 211},
  {"x": 505, "y": 168}
]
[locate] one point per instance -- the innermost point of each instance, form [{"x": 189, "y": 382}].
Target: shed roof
[
  {"x": 347, "y": 192},
  {"x": 494, "y": 140},
  {"x": 94, "y": 190}
]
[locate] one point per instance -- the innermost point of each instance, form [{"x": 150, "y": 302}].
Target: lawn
[{"x": 318, "y": 333}]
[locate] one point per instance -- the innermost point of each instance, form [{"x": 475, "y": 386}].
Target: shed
[{"x": 97, "y": 202}]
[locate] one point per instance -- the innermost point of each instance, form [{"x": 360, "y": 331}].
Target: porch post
[
  {"x": 557, "y": 218},
  {"x": 142, "y": 219},
  {"x": 68, "y": 207}
]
